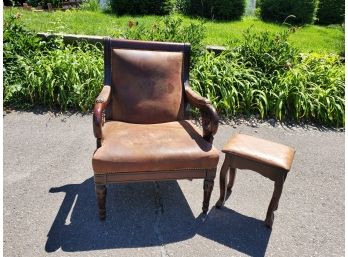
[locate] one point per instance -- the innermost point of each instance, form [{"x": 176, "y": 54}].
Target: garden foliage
[
  {"x": 289, "y": 11},
  {"x": 269, "y": 53},
  {"x": 136, "y": 7},
  {"x": 217, "y": 9},
  {"x": 182, "y": 6},
  {"x": 262, "y": 74},
  {"x": 51, "y": 73},
  {"x": 268, "y": 77},
  {"x": 170, "y": 29},
  {"x": 330, "y": 12},
  {"x": 90, "y": 5},
  {"x": 312, "y": 90}
]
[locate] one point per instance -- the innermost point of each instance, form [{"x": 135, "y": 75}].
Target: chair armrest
[
  {"x": 98, "y": 111},
  {"x": 210, "y": 118}
]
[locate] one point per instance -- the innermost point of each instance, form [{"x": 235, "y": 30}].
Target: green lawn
[{"x": 328, "y": 39}]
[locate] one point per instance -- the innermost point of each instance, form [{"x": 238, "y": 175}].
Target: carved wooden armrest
[
  {"x": 98, "y": 111},
  {"x": 210, "y": 118}
]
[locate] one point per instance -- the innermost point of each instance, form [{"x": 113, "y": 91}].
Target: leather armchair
[{"x": 140, "y": 119}]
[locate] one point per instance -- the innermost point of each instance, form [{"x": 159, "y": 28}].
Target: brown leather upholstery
[
  {"x": 147, "y": 86},
  {"x": 260, "y": 150},
  {"x": 128, "y": 147}
]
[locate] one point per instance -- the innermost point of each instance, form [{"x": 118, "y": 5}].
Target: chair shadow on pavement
[{"x": 143, "y": 215}]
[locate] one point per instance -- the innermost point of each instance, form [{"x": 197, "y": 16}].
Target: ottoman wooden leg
[
  {"x": 101, "y": 198},
  {"x": 225, "y": 167},
  {"x": 208, "y": 188},
  {"x": 232, "y": 177},
  {"x": 273, "y": 205}
]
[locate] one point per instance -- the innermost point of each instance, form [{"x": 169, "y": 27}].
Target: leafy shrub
[
  {"x": 267, "y": 52},
  {"x": 18, "y": 40},
  {"x": 252, "y": 79},
  {"x": 330, "y": 12},
  {"x": 18, "y": 44},
  {"x": 69, "y": 77},
  {"x": 50, "y": 74},
  {"x": 230, "y": 85},
  {"x": 90, "y": 5},
  {"x": 218, "y": 9},
  {"x": 280, "y": 10},
  {"x": 136, "y": 7},
  {"x": 182, "y": 6},
  {"x": 312, "y": 90},
  {"x": 170, "y": 29}
]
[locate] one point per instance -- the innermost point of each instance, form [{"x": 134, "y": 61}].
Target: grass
[{"x": 328, "y": 39}]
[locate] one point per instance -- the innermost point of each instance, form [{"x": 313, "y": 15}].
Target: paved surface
[{"x": 50, "y": 208}]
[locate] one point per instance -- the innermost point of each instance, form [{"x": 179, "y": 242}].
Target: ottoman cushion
[{"x": 260, "y": 150}]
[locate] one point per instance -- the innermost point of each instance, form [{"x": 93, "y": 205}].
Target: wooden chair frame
[{"x": 100, "y": 114}]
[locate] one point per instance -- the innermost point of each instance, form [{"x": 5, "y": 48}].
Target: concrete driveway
[{"x": 50, "y": 207}]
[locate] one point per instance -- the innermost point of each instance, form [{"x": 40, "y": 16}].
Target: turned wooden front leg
[
  {"x": 273, "y": 205},
  {"x": 224, "y": 169},
  {"x": 208, "y": 188},
  {"x": 101, "y": 198}
]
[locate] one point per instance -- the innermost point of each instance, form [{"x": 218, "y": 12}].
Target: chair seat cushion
[
  {"x": 128, "y": 147},
  {"x": 260, "y": 150}
]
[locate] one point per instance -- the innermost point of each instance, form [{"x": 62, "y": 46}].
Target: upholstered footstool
[{"x": 270, "y": 159}]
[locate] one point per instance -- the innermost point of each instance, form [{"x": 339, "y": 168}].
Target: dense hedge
[
  {"x": 136, "y": 7},
  {"x": 330, "y": 12},
  {"x": 279, "y": 10},
  {"x": 14, "y": 2},
  {"x": 182, "y": 6},
  {"x": 218, "y": 9},
  {"x": 33, "y": 3}
]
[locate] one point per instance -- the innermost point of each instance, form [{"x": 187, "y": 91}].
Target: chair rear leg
[{"x": 101, "y": 198}]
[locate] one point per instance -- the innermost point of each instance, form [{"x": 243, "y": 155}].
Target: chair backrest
[{"x": 147, "y": 80}]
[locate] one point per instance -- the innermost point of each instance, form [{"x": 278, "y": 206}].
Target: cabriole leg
[
  {"x": 273, "y": 206},
  {"x": 224, "y": 169},
  {"x": 232, "y": 178}
]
